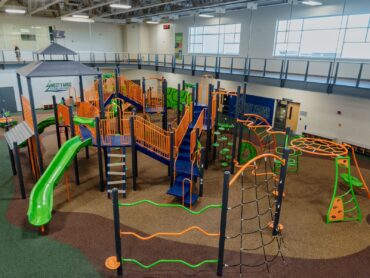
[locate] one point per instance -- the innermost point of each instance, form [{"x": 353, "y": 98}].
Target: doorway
[
  {"x": 292, "y": 115},
  {"x": 7, "y": 99}
]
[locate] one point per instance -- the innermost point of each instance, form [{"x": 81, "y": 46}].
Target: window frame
[
  {"x": 343, "y": 28},
  {"x": 218, "y": 34}
]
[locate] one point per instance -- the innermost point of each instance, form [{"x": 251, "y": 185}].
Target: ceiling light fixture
[
  {"x": 77, "y": 19},
  {"x": 312, "y": 3},
  {"x": 120, "y": 6},
  {"x": 206, "y": 15},
  {"x": 80, "y": 16},
  {"x": 15, "y": 11},
  {"x": 152, "y": 22}
]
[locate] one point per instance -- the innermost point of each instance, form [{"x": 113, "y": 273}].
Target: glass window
[
  {"x": 356, "y": 35},
  {"x": 327, "y": 37},
  {"x": 215, "y": 39}
]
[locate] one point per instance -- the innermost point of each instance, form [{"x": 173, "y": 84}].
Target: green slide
[
  {"x": 41, "y": 127},
  {"x": 41, "y": 198},
  {"x": 45, "y": 123}
]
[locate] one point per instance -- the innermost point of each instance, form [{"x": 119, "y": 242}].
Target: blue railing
[{"x": 329, "y": 72}]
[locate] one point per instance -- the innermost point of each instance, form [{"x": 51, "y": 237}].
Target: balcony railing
[{"x": 329, "y": 72}]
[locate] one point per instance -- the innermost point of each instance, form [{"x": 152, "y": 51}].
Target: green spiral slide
[{"x": 41, "y": 198}]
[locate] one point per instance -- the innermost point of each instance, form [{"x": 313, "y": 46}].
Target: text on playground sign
[{"x": 58, "y": 86}]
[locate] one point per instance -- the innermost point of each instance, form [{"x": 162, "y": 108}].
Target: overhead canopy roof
[
  {"x": 56, "y": 49},
  {"x": 56, "y": 68}
]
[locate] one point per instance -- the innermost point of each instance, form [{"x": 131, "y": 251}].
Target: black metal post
[
  {"x": 73, "y": 134},
  {"x": 183, "y": 85},
  {"x": 100, "y": 157},
  {"x": 221, "y": 243},
  {"x": 11, "y": 155},
  {"x": 193, "y": 102},
  {"x": 164, "y": 115},
  {"x": 172, "y": 158},
  {"x": 117, "y": 230},
  {"x": 18, "y": 166},
  {"x": 55, "y": 108},
  {"x": 209, "y": 124},
  {"x": 279, "y": 200},
  {"x": 101, "y": 96},
  {"x": 117, "y": 81},
  {"x": 82, "y": 97},
  {"x": 133, "y": 153},
  {"x": 36, "y": 131},
  {"x": 201, "y": 176},
  {"x": 235, "y": 130},
  {"x": 196, "y": 93},
  {"x": 178, "y": 103}
]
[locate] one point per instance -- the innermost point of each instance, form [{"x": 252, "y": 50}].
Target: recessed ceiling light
[
  {"x": 77, "y": 19},
  {"x": 80, "y": 16},
  {"x": 120, "y": 6},
  {"x": 206, "y": 15},
  {"x": 152, "y": 22},
  {"x": 15, "y": 11},
  {"x": 312, "y": 3}
]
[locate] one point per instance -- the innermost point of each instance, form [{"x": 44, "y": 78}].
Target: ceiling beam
[
  {"x": 142, "y": 8},
  {"x": 90, "y": 8},
  {"x": 42, "y": 8},
  {"x": 3, "y": 2}
]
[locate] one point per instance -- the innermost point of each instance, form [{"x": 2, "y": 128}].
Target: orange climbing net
[{"x": 266, "y": 136}]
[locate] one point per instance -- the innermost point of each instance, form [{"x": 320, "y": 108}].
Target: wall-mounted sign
[
  {"x": 178, "y": 45},
  {"x": 58, "y": 86},
  {"x": 166, "y": 26},
  {"x": 59, "y": 34}
]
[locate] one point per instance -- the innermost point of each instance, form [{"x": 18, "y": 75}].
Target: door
[
  {"x": 292, "y": 115},
  {"x": 7, "y": 99},
  {"x": 280, "y": 115}
]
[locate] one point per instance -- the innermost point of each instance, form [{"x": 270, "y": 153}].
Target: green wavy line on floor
[
  {"x": 171, "y": 206},
  {"x": 169, "y": 261}
]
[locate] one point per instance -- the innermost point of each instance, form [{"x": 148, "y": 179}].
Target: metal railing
[{"x": 330, "y": 72}]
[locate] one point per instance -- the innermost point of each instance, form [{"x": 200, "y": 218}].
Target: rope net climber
[
  {"x": 258, "y": 210},
  {"x": 261, "y": 132}
]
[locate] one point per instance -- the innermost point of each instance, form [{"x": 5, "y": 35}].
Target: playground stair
[
  {"x": 186, "y": 172},
  {"x": 116, "y": 170}
]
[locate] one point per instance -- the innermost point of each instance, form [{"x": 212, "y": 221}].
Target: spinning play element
[{"x": 344, "y": 205}]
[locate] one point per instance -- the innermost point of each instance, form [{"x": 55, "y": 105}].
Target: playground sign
[{"x": 57, "y": 86}]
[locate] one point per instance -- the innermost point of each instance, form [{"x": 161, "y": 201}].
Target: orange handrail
[
  {"x": 86, "y": 109},
  {"x": 198, "y": 125},
  {"x": 176, "y": 234},
  {"x": 182, "y": 128},
  {"x": 27, "y": 112},
  {"x": 152, "y": 137},
  {"x": 63, "y": 115}
]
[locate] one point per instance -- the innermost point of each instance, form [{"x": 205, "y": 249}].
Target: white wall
[
  {"x": 258, "y": 43},
  {"x": 79, "y": 36},
  {"x": 322, "y": 118},
  {"x": 8, "y": 78}
]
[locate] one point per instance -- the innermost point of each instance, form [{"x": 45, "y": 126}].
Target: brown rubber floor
[{"x": 310, "y": 247}]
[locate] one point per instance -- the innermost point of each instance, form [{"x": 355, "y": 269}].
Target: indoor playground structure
[
  {"x": 257, "y": 182},
  {"x": 343, "y": 205}
]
